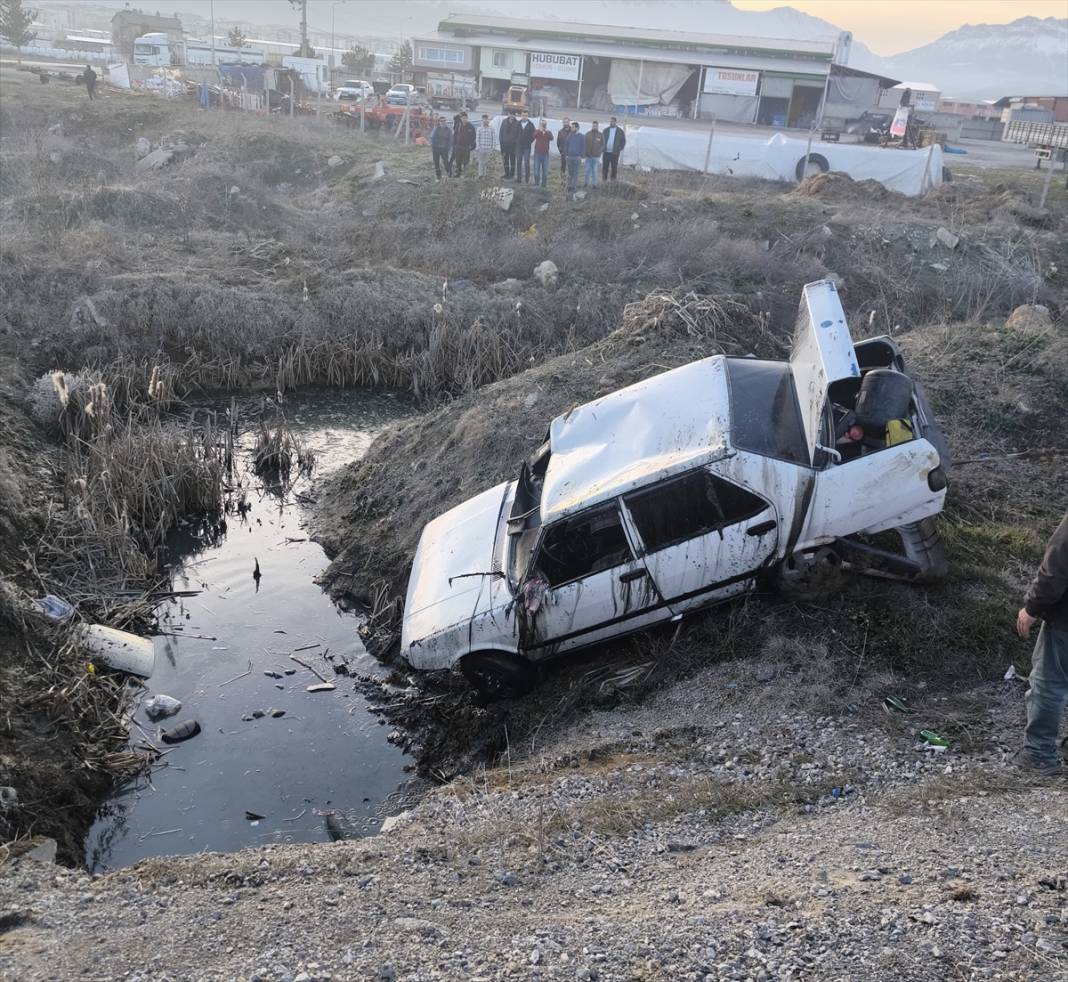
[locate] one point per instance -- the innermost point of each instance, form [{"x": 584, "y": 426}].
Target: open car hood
[{"x": 452, "y": 576}]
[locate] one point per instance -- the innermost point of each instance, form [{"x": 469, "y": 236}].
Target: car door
[
  {"x": 596, "y": 586},
  {"x": 703, "y": 537}
]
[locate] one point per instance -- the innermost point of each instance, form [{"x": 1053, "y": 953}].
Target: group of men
[{"x": 521, "y": 143}]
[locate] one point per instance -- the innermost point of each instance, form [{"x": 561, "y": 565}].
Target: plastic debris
[
  {"x": 53, "y": 608},
  {"x": 892, "y": 704},
  {"x": 161, "y": 706},
  {"x": 933, "y": 739},
  {"x": 119, "y": 650},
  {"x": 322, "y": 687},
  {"x": 181, "y": 731},
  {"x": 9, "y": 798},
  {"x": 254, "y": 816}
]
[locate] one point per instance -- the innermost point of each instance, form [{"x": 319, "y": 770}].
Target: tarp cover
[
  {"x": 660, "y": 83},
  {"x": 911, "y": 172}
]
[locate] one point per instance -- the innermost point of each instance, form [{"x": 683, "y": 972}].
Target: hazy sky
[{"x": 892, "y": 26}]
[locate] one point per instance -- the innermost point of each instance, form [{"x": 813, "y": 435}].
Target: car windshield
[{"x": 524, "y": 520}]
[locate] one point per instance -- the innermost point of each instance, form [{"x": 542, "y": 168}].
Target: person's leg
[
  {"x": 526, "y": 166},
  {"x": 563, "y": 165},
  {"x": 436, "y": 154},
  {"x": 604, "y": 166},
  {"x": 1047, "y": 696},
  {"x": 572, "y": 174},
  {"x": 615, "y": 164}
]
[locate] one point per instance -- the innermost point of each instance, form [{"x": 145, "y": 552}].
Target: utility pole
[{"x": 212, "y": 33}]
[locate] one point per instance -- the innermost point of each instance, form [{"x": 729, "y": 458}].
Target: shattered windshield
[{"x": 524, "y": 520}]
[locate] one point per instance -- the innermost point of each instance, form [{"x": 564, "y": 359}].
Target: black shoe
[{"x": 1047, "y": 768}]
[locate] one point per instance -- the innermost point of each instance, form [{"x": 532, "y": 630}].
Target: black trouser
[
  {"x": 441, "y": 159},
  {"x": 508, "y": 156},
  {"x": 609, "y": 160},
  {"x": 461, "y": 157},
  {"x": 90, "y": 87},
  {"x": 563, "y": 163}
]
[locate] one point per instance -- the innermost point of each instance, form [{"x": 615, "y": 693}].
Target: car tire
[
  {"x": 808, "y": 575},
  {"x": 498, "y": 675},
  {"x": 922, "y": 544},
  {"x": 817, "y": 163}
]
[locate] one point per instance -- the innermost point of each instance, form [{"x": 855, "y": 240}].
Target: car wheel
[
  {"x": 497, "y": 675},
  {"x": 808, "y": 575},
  {"x": 817, "y": 164},
  {"x": 923, "y": 545}
]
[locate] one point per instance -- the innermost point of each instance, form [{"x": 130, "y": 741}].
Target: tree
[
  {"x": 359, "y": 61},
  {"x": 305, "y": 50},
  {"x": 401, "y": 62},
  {"x": 15, "y": 22},
  {"x": 236, "y": 38}
]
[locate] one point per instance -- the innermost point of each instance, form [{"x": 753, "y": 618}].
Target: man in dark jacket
[
  {"x": 1046, "y": 600},
  {"x": 463, "y": 142},
  {"x": 614, "y": 142},
  {"x": 592, "y": 156},
  {"x": 89, "y": 77},
  {"x": 575, "y": 147},
  {"x": 524, "y": 139},
  {"x": 561, "y": 144},
  {"x": 441, "y": 147},
  {"x": 508, "y": 137}
]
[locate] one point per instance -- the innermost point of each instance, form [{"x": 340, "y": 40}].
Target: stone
[
  {"x": 1029, "y": 317},
  {"x": 510, "y": 285},
  {"x": 506, "y": 879},
  {"x": 547, "y": 273},
  {"x": 904, "y": 879},
  {"x": 335, "y": 161},
  {"x": 9, "y": 798},
  {"x": 544, "y": 208},
  {"x": 945, "y": 237},
  {"x": 503, "y": 197},
  {"x": 392, "y": 821},
  {"x": 235, "y": 190},
  {"x": 580, "y": 195},
  {"x": 142, "y": 147},
  {"x": 380, "y": 171},
  {"x": 156, "y": 159}
]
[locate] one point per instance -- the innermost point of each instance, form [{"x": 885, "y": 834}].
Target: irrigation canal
[{"x": 322, "y": 770}]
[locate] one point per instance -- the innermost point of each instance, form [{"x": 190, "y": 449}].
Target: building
[
  {"x": 635, "y": 71},
  {"x": 851, "y": 93},
  {"x": 128, "y": 25},
  {"x": 1021, "y": 106},
  {"x": 973, "y": 109},
  {"x": 924, "y": 97}
]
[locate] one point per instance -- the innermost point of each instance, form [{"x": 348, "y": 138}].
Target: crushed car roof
[{"x": 647, "y": 431}]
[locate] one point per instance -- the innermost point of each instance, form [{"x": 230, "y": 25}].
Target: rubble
[
  {"x": 547, "y": 273},
  {"x": 1029, "y": 317}
]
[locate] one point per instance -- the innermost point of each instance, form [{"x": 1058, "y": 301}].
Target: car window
[
  {"x": 583, "y": 544},
  {"x": 687, "y": 507},
  {"x": 764, "y": 414}
]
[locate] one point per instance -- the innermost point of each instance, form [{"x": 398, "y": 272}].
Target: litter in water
[
  {"x": 181, "y": 731},
  {"x": 119, "y": 650},
  {"x": 161, "y": 706}
]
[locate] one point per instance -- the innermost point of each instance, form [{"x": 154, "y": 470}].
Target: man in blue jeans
[
  {"x": 1046, "y": 600},
  {"x": 574, "y": 148},
  {"x": 592, "y": 154}
]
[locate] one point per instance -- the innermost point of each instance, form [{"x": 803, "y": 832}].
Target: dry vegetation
[{"x": 252, "y": 263}]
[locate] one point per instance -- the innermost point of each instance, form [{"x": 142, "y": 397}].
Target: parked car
[
  {"x": 679, "y": 492},
  {"x": 401, "y": 95},
  {"x": 354, "y": 90}
]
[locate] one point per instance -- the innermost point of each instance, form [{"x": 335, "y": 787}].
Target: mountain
[{"x": 1028, "y": 56}]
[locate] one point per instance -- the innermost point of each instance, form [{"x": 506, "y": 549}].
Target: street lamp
[{"x": 333, "y": 11}]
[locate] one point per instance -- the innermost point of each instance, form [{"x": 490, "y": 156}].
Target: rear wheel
[
  {"x": 816, "y": 164},
  {"x": 808, "y": 575},
  {"x": 498, "y": 675}
]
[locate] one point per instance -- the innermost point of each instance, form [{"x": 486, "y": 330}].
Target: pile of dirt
[{"x": 840, "y": 186}]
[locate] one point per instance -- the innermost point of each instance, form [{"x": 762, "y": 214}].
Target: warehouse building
[{"x": 636, "y": 71}]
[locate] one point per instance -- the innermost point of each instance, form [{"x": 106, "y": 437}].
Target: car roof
[{"x": 648, "y": 431}]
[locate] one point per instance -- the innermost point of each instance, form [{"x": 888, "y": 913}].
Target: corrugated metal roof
[
  {"x": 633, "y": 52},
  {"x": 652, "y": 429},
  {"x": 555, "y": 29}
]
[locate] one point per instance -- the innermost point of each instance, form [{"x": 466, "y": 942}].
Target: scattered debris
[
  {"x": 278, "y": 713},
  {"x": 273, "y": 675},
  {"x": 244, "y": 674},
  {"x": 547, "y": 273},
  {"x": 254, "y": 816},
  {"x": 9, "y": 799},
  {"x": 945, "y": 237},
  {"x": 300, "y": 661},
  {"x": 932, "y": 739},
  {"x": 53, "y": 608},
  {"x": 380, "y": 171},
  {"x": 322, "y": 687},
  {"x": 161, "y": 706},
  {"x": 181, "y": 731},
  {"x": 256, "y": 574},
  {"x": 335, "y": 161},
  {"x": 119, "y": 650},
  {"x": 502, "y": 197}
]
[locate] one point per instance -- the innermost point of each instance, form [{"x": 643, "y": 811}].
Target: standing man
[
  {"x": 594, "y": 149},
  {"x": 561, "y": 145},
  {"x": 543, "y": 140},
  {"x": 485, "y": 144},
  {"x": 614, "y": 142},
  {"x": 89, "y": 77},
  {"x": 463, "y": 144},
  {"x": 575, "y": 147},
  {"x": 441, "y": 147},
  {"x": 524, "y": 139},
  {"x": 508, "y": 138},
  {"x": 1046, "y": 600},
  {"x": 457, "y": 122}
]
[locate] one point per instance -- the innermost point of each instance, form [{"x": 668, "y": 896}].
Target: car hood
[{"x": 441, "y": 590}]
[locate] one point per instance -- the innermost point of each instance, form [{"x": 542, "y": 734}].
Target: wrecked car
[{"x": 679, "y": 492}]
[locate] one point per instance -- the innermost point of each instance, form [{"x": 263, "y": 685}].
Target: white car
[
  {"x": 678, "y": 492},
  {"x": 354, "y": 90}
]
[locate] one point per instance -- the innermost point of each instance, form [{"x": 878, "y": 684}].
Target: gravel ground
[{"x": 702, "y": 835}]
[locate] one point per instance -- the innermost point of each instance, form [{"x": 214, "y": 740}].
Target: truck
[
  {"x": 1046, "y": 138},
  {"x": 445, "y": 92},
  {"x": 517, "y": 95}
]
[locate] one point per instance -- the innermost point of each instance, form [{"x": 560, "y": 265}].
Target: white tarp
[
  {"x": 119, "y": 76},
  {"x": 659, "y": 82},
  {"x": 911, "y": 172}
]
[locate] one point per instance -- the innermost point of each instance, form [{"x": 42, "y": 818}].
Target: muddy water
[{"x": 322, "y": 770}]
